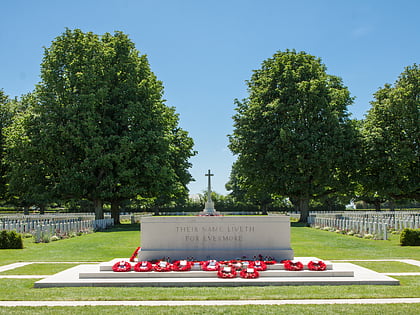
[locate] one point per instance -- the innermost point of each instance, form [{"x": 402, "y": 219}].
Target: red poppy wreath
[
  {"x": 162, "y": 266},
  {"x": 293, "y": 266},
  {"x": 181, "y": 265},
  {"x": 121, "y": 266},
  {"x": 143, "y": 266},
  {"x": 210, "y": 265},
  {"x": 317, "y": 265},
  {"x": 249, "y": 273},
  {"x": 227, "y": 272}
]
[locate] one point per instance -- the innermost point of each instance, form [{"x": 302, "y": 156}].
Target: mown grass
[
  {"x": 387, "y": 266},
  {"x": 38, "y": 269},
  {"x": 22, "y": 289},
  {"x": 328, "y": 245},
  {"x": 219, "y": 310},
  {"x": 122, "y": 240}
]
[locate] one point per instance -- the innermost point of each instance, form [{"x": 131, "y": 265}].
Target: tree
[
  {"x": 244, "y": 191},
  {"x": 293, "y": 135},
  {"x": 391, "y": 136},
  {"x": 5, "y": 119},
  {"x": 27, "y": 180},
  {"x": 101, "y": 129}
]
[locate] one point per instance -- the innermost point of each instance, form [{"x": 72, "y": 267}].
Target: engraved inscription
[{"x": 210, "y": 234}]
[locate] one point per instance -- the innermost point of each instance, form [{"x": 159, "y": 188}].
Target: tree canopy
[
  {"x": 293, "y": 135},
  {"x": 97, "y": 127},
  {"x": 391, "y": 134}
]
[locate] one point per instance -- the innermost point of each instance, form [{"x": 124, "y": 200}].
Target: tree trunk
[
  {"x": 377, "y": 204},
  {"x": 99, "y": 211},
  {"x": 115, "y": 211},
  {"x": 302, "y": 205},
  {"x": 42, "y": 209},
  {"x": 391, "y": 205}
]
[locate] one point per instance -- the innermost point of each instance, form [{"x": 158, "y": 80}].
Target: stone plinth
[{"x": 215, "y": 237}]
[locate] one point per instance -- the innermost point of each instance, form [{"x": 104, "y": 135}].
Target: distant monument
[{"x": 209, "y": 207}]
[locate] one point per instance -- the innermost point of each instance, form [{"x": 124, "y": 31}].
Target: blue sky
[{"x": 203, "y": 51}]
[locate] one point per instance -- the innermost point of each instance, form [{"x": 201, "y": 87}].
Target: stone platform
[{"x": 102, "y": 276}]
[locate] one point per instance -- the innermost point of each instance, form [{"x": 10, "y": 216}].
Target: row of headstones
[
  {"x": 57, "y": 227},
  {"x": 378, "y": 228},
  {"x": 396, "y": 221},
  {"x": 52, "y": 216},
  {"x": 27, "y": 225},
  {"x": 368, "y": 214}
]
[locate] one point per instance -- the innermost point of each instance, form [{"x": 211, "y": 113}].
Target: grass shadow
[
  {"x": 298, "y": 224},
  {"x": 123, "y": 228}
]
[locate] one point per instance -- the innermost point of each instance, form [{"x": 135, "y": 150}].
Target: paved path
[{"x": 208, "y": 302}]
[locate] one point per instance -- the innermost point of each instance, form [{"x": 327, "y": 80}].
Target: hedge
[
  {"x": 410, "y": 237},
  {"x": 10, "y": 240}
]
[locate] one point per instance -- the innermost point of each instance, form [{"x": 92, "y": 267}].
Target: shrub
[
  {"x": 10, "y": 240},
  {"x": 410, "y": 237},
  {"x": 54, "y": 238}
]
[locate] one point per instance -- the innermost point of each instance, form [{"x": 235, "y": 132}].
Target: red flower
[
  {"x": 317, "y": 265},
  {"x": 227, "y": 272},
  {"x": 181, "y": 265},
  {"x": 293, "y": 266},
  {"x": 143, "y": 266},
  {"x": 133, "y": 257},
  {"x": 121, "y": 266},
  {"x": 210, "y": 265},
  {"x": 249, "y": 273}
]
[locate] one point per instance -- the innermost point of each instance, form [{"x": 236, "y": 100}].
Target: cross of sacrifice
[{"x": 209, "y": 186}]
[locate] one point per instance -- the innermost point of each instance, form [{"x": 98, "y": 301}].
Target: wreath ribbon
[{"x": 134, "y": 255}]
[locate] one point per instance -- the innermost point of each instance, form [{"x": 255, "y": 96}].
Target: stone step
[{"x": 211, "y": 274}]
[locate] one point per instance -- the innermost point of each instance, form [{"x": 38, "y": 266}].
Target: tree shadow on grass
[
  {"x": 298, "y": 224},
  {"x": 123, "y": 228}
]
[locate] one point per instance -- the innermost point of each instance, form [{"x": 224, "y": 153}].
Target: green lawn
[
  {"x": 396, "y": 309},
  {"x": 22, "y": 289},
  {"x": 38, "y": 269},
  {"x": 387, "y": 266},
  {"x": 121, "y": 242}
]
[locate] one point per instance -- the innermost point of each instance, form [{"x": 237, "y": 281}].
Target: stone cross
[{"x": 209, "y": 186}]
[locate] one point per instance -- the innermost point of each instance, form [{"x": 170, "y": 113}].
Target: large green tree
[
  {"x": 99, "y": 125},
  {"x": 5, "y": 119},
  {"x": 391, "y": 137},
  {"x": 293, "y": 135}
]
